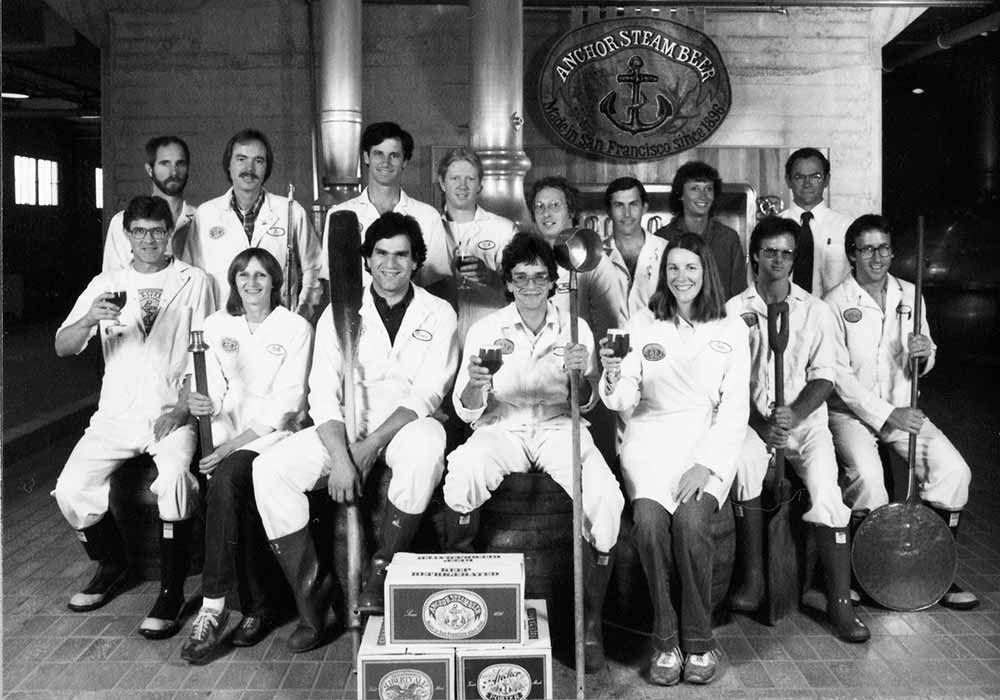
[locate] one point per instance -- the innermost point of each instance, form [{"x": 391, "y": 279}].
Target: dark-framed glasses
[
  {"x": 815, "y": 178},
  {"x": 867, "y": 251},
  {"x": 137, "y": 233},
  {"x": 772, "y": 253},
  {"x": 522, "y": 280}
]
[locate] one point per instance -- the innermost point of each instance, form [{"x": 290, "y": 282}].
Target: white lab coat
[
  {"x": 118, "y": 246},
  {"x": 638, "y": 290},
  {"x": 689, "y": 386},
  {"x": 257, "y": 380},
  {"x": 217, "y": 236}
]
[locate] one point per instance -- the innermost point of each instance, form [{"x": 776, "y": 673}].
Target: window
[
  {"x": 99, "y": 188},
  {"x": 36, "y": 181}
]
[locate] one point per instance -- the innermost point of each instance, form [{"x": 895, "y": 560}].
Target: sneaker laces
[
  {"x": 248, "y": 621},
  {"x": 203, "y": 624},
  {"x": 668, "y": 659},
  {"x": 705, "y": 659}
]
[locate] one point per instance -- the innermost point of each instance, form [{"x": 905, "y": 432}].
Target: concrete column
[
  {"x": 497, "y": 104},
  {"x": 339, "y": 97}
]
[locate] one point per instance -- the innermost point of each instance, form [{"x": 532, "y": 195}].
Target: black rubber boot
[
  {"x": 955, "y": 598},
  {"x": 395, "y": 535},
  {"x": 311, "y": 586},
  {"x": 103, "y": 544},
  {"x": 163, "y": 620},
  {"x": 460, "y": 530},
  {"x": 750, "y": 548},
  {"x": 597, "y": 569},
  {"x": 834, "y": 547}
]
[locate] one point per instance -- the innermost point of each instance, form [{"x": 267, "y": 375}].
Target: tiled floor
[{"x": 49, "y": 652}]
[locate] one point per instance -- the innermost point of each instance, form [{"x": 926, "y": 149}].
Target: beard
[{"x": 172, "y": 186}]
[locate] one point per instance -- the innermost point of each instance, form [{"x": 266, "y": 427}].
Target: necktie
[{"x": 802, "y": 271}]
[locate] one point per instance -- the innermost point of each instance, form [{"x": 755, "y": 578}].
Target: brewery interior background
[{"x": 939, "y": 159}]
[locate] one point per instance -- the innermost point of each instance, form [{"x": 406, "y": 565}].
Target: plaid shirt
[{"x": 249, "y": 219}]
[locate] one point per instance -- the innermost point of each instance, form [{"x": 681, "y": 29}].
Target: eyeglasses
[
  {"x": 139, "y": 234},
  {"x": 553, "y": 207},
  {"x": 867, "y": 251},
  {"x": 811, "y": 177},
  {"x": 522, "y": 280},
  {"x": 772, "y": 253}
]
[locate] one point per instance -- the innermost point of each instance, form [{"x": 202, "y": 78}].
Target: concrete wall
[{"x": 204, "y": 70}]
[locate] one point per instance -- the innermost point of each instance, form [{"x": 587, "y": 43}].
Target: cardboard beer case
[
  {"x": 509, "y": 672},
  {"x": 389, "y": 672},
  {"x": 454, "y": 599}
]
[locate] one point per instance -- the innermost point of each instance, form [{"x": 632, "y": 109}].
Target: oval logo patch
[
  {"x": 506, "y": 345},
  {"x": 486, "y": 245},
  {"x": 276, "y": 231},
  {"x": 406, "y": 683},
  {"x": 562, "y": 288},
  {"x": 421, "y": 334},
  {"x": 216, "y": 232},
  {"x": 653, "y": 352},
  {"x": 749, "y": 318},
  {"x": 230, "y": 345},
  {"x": 720, "y": 346},
  {"x": 504, "y": 682},
  {"x": 276, "y": 349},
  {"x": 455, "y": 614},
  {"x": 852, "y": 315}
]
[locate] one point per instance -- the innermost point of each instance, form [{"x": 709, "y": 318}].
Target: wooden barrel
[
  {"x": 628, "y": 598},
  {"x": 138, "y": 517}
]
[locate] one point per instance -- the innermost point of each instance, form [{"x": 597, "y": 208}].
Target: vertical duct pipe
[
  {"x": 339, "y": 90},
  {"x": 497, "y": 104}
]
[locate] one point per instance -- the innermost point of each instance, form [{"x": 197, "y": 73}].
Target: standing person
[
  {"x": 688, "y": 383},
  {"x": 692, "y": 200},
  {"x": 871, "y": 404},
  {"x": 386, "y": 149},
  {"x": 635, "y": 256},
  {"x": 800, "y": 427},
  {"x": 257, "y": 360},
  {"x": 167, "y": 162},
  {"x": 820, "y": 264},
  {"x": 476, "y": 236},
  {"x": 248, "y": 216},
  {"x": 142, "y": 409},
  {"x": 554, "y": 205},
  {"x": 521, "y": 418},
  {"x": 406, "y": 359}
]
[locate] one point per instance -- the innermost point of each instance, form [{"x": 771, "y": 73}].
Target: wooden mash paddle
[
  {"x": 782, "y": 571},
  {"x": 903, "y": 553},
  {"x": 577, "y": 250},
  {"x": 346, "y": 288}
]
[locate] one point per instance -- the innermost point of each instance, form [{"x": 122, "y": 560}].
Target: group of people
[{"x": 691, "y": 401}]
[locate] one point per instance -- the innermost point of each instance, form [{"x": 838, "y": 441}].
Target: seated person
[
  {"x": 142, "y": 409},
  {"x": 256, "y": 364},
  {"x": 800, "y": 427},
  {"x": 521, "y": 417},
  {"x": 874, "y": 315},
  {"x": 687, "y": 383},
  {"x": 406, "y": 360}
]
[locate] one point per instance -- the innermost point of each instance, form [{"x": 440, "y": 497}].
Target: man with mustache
[
  {"x": 167, "y": 161},
  {"x": 250, "y": 216}
]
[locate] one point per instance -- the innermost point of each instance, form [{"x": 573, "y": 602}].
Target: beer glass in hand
[
  {"x": 491, "y": 359},
  {"x": 618, "y": 342},
  {"x": 118, "y": 297},
  {"x": 462, "y": 261}
]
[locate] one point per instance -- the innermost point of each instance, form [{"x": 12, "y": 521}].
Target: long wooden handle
[
  {"x": 574, "y": 403},
  {"x": 911, "y": 455},
  {"x": 204, "y": 422}
]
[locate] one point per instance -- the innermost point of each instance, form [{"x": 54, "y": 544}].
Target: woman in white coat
[
  {"x": 687, "y": 378},
  {"x": 257, "y": 361}
]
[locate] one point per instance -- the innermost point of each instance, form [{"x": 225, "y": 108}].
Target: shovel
[{"x": 782, "y": 569}]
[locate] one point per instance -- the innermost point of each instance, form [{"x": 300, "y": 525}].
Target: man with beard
[
  {"x": 249, "y": 216},
  {"x": 167, "y": 161}
]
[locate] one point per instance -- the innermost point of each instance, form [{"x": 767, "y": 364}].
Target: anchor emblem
[{"x": 634, "y": 124}]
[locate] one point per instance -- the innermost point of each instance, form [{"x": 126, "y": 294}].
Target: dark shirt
[
  {"x": 249, "y": 220},
  {"x": 392, "y": 316},
  {"x": 726, "y": 249}
]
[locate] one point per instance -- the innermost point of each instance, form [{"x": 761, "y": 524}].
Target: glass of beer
[
  {"x": 118, "y": 297},
  {"x": 460, "y": 262},
  {"x": 618, "y": 342},
  {"x": 491, "y": 358}
]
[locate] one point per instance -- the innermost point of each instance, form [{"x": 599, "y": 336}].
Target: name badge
[{"x": 653, "y": 352}]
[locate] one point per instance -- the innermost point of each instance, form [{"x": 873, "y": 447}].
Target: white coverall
[
  {"x": 830, "y": 263},
  {"x": 217, "y": 236},
  {"x": 143, "y": 376},
  {"x": 438, "y": 264},
  {"x": 811, "y": 354},
  {"x": 689, "y": 386},
  {"x": 257, "y": 380},
  {"x": 118, "y": 246},
  {"x": 603, "y": 300},
  {"x": 483, "y": 238},
  {"x": 873, "y": 380},
  {"x": 415, "y": 372},
  {"x": 638, "y": 290},
  {"x": 525, "y": 420}
]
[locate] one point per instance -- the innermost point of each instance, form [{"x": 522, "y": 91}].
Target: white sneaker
[
  {"x": 701, "y": 668},
  {"x": 665, "y": 667}
]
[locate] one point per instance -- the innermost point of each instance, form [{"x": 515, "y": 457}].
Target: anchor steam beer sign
[{"x": 634, "y": 88}]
